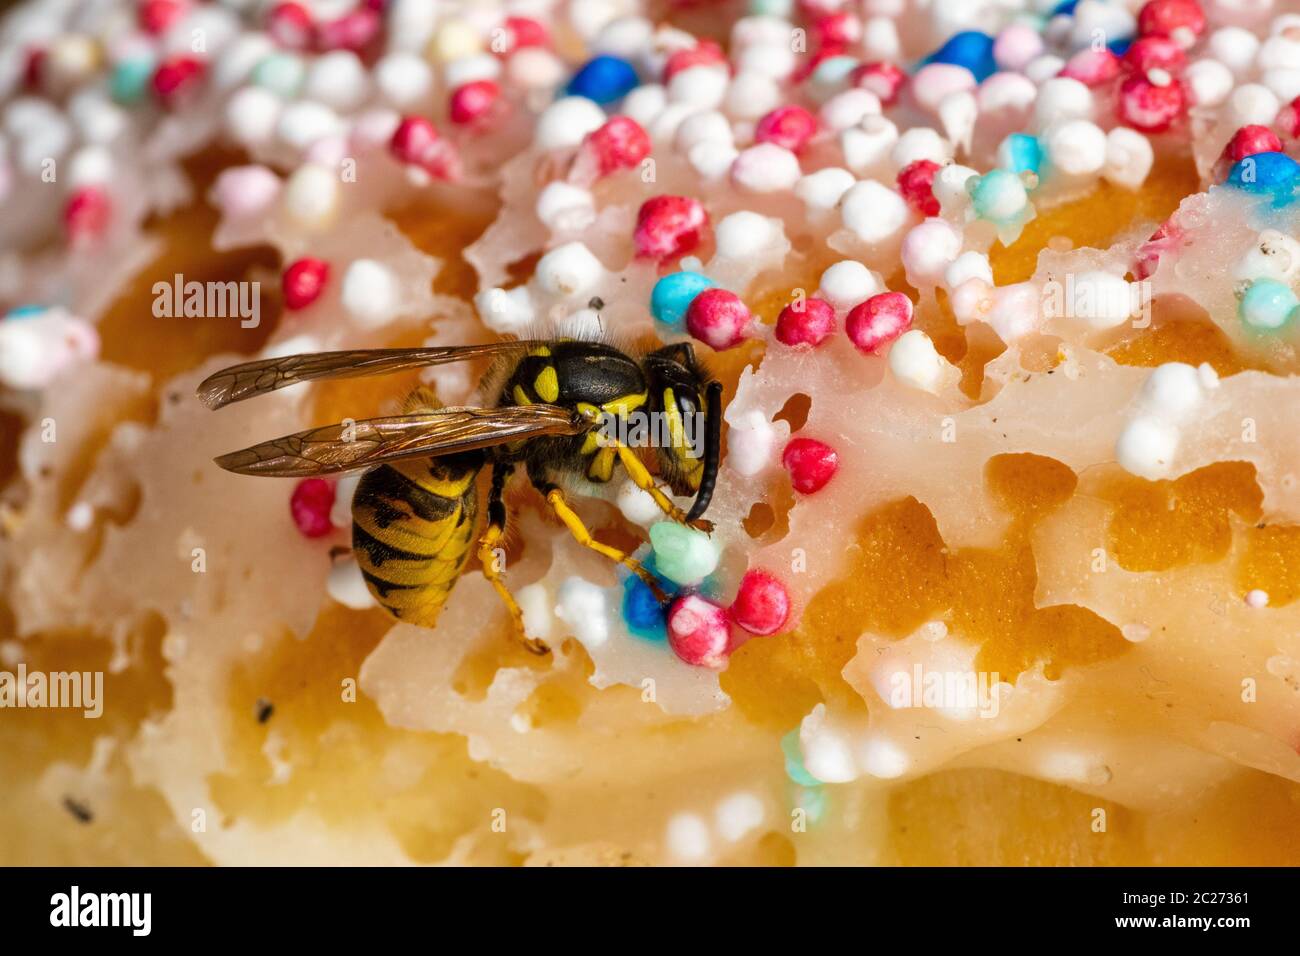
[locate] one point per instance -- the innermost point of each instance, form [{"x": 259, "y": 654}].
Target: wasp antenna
[{"x": 712, "y": 451}]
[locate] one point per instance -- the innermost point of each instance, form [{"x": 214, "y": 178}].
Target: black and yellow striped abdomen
[{"x": 412, "y": 531}]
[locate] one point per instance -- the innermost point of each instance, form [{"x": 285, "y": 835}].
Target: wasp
[{"x": 415, "y": 511}]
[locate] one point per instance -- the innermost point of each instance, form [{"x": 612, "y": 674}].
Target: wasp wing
[
  {"x": 372, "y": 441},
  {"x": 250, "y": 379}
]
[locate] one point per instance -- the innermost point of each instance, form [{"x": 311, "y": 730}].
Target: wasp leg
[
  {"x": 487, "y": 556},
  {"x": 555, "y": 498},
  {"x": 642, "y": 478}
]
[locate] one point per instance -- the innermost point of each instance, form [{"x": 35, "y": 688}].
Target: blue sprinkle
[
  {"x": 794, "y": 768},
  {"x": 1119, "y": 47},
  {"x": 1275, "y": 174},
  {"x": 1020, "y": 153},
  {"x": 25, "y": 312},
  {"x": 604, "y": 79},
  {"x": 1065, "y": 8},
  {"x": 645, "y": 616},
  {"x": 673, "y": 295},
  {"x": 971, "y": 49}
]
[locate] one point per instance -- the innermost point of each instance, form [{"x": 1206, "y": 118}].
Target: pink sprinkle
[
  {"x": 353, "y": 31},
  {"x": 1092, "y": 67},
  {"x": 668, "y": 226},
  {"x": 310, "y": 506},
  {"x": 620, "y": 144},
  {"x": 242, "y": 191},
  {"x": 762, "y": 604},
  {"x": 810, "y": 463},
  {"x": 916, "y": 183},
  {"x": 718, "y": 318},
  {"x": 1148, "y": 107},
  {"x": 526, "y": 32},
  {"x": 1288, "y": 118},
  {"x": 1016, "y": 45},
  {"x": 1155, "y": 53},
  {"x": 878, "y": 321},
  {"x": 704, "y": 53},
  {"x": 787, "y": 126},
  {"x": 290, "y": 25},
  {"x": 1168, "y": 237},
  {"x": 1172, "y": 18},
  {"x": 155, "y": 16},
  {"x": 303, "y": 281},
  {"x": 698, "y": 631},
  {"x": 808, "y": 322},
  {"x": 175, "y": 77},
  {"x": 883, "y": 79},
  {"x": 87, "y": 214},
  {"x": 471, "y": 102}
]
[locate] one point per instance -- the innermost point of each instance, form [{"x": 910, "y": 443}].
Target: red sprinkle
[
  {"x": 787, "y": 126},
  {"x": 810, "y": 463},
  {"x": 762, "y": 604},
  {"x": 1250, "y": 140},
  {"x": 1148, "y": 107},
  {"x": 704, "y": 53},
  {"x": 303, "y": 281},
  {"x": 1288, "y": 118},
  {"x": 33, "y": 65},
  {"x": 839, "y": 29},
  {"x": 290, "y": 25},
  {"x": 87, "y": 214},
  {"x": 1155, "y": 52},
  {"x": 353, "y": 31},
  {"x": 916, "y": 183},
  {"x": 698, "y": 631},
  {"x": 310, "y": 506},
  {"x": 882, "y": 78},
  {"x": 1170, "y": 17},
  {"x": 878, "y": 321},
  {"x": 472, "y": 102},
  {"x": 807, "y": 322},
  {"x": 668, "y": 226},
  {"x": 525, "y": 32},
  {"x": 155, "y": 16},
  {"x": 718, "y": 318},
  {"x": 620, "y": 144},
  {"x": 175, "y": 77},
  {"x": 416, "y": 142},
  {"x": 1092, "y": 67}
]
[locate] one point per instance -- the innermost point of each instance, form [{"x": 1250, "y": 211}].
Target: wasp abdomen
[{"x": 413, "y": 528}]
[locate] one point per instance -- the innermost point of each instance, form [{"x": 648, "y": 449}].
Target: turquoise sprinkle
[
  {"x": 794, "y": 768},
  {"x": 130, "y": 80},
  {"x": 682, "y": 555},
  {"x": 998, "y": 195},
  {"x": 673, "y": 295},
  {"x": 813, "y": 801},
  {"x": 771, "y": 8},
  {"x": 281, "y": 73},
  {"x": 1267, "y": 305},
  {"x": 834, "y": 70},
  {"x": 1020, "y": 153},
  {"x": 25, "y": 312}
]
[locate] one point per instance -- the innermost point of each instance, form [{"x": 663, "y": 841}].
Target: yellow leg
[
  {"x": 487, "y": 557},
  {"x": 645, "y": 481},
  {"x": 555, "y": 498}
]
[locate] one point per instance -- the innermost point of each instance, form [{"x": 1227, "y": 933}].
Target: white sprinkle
[
  {"x": 968, "y": 265},
  {"x": 1256, "y": 598},
  {"x": 750, "y": 442},
  {"x": 637, "y": 505},
  {"x": 1135, "y": 633},
  {"x": 1129, "y": 158},
  {"x": 848, "y": 109},
  {"x": 535, "y": 603},
  {"x": 1234, "y": 47},
  {"x": 752, "y": 95},
  {"x": 311, "y": 195},
  {"x": 1173, "y": 391},
  {"x": 566, "y": 122},
  {"x": 508, "y": 311},
  {"x": 1273, "y": 255},
  {"x": 703, "y": 87},
  {"x": 882, "y": 758},
  {"x": 920, "y": 142},
  {"x": 341, "y": 512},
  {"x": 745, "y": 234},
  {"x": 688, "y": 837},
  {"x": 569, "y": 270},
  {"x": 404, "y": 79},
  {"x": 1102, "y": 299},
  {"x": 585, "y": 608},
  {"x": 338, "y": 79},
  {"x": 868, "y": 144},
  {"x": 252, "y": 114},
  {"x": 821, "y": 191},
  {"x": 1253, "y": 104},
  {"x": 928, "y": 250},
  {"x": 1146, "y": 447},
  {"x": 471, "y": 69},
  {"x": 847, "y": 283},
  {"x": 645, "y": 103},
  {"x": 346, "y": 585},
  {"x": 707, "y": 126},
  {"x": 873, "y": 212},
  {"x": 949, "y": 187},
  {"x": 915, "y": 362},
  {"x": 563, "y": 207},
  {"x": 1209, "y": 82},
  {"x": 304, "y": 122},
  {"x": 370, "y": 293},
  {"x": 1060, "y": 100},
  {"x": 81, "y": 516},
  {"x": 766, "y": 168},
  {"x": 712, "y": 160},
  {"x": 1077, "y": 148},
  {"x": 738, "y": 815}
]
